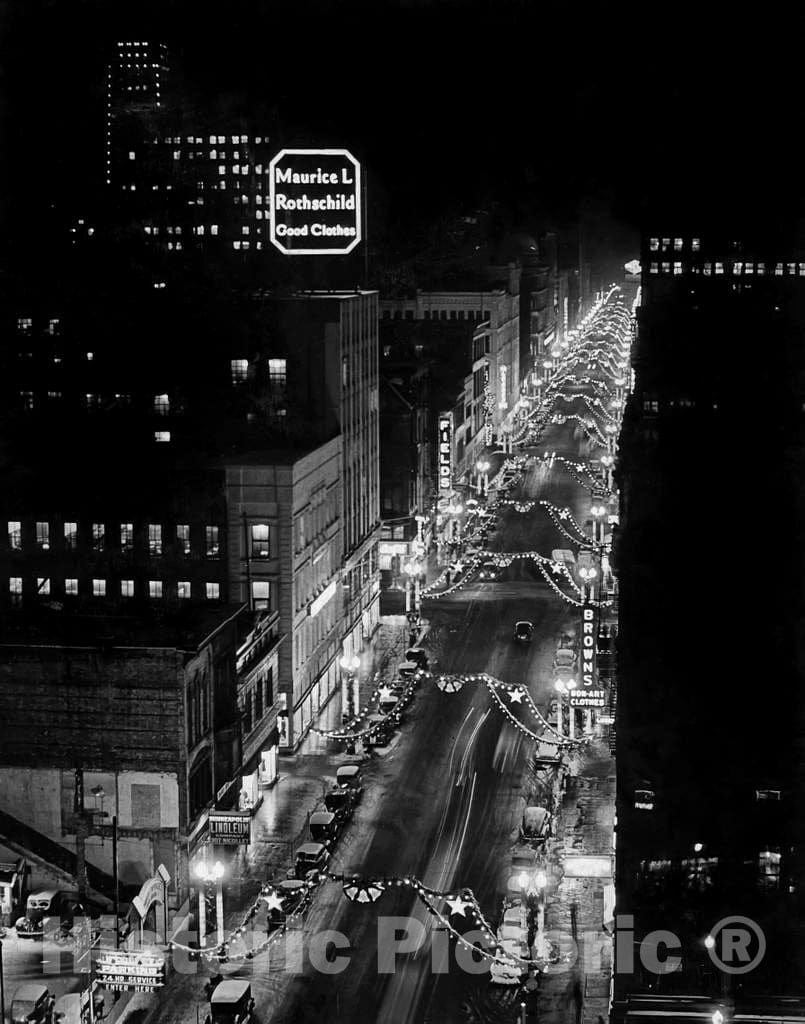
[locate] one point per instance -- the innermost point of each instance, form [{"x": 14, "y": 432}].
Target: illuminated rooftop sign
[{"x": 315, "y": 197}]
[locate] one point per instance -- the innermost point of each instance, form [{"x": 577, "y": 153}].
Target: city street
[{"x": 446, "y": 803}]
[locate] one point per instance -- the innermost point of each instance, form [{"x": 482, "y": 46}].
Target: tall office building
[
  {"x": 333, "y": 338},
  {"x": 710, "y": 721}
]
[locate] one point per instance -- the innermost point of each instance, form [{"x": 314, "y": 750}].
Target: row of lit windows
[
  {"x": 664, "y": 244},
  {"x": 214, "y": 140},
  {"x": 438, "y": 314},
  {"x": 709, "y": 268},
  {"x": 91, "y": 401},
  {"x": 25, "y": 325},
  {"x": 97, "y": 536},
  {"x": 98, "y": 587}
]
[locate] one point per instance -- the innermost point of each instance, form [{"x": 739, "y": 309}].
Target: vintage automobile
[
  {"x": 32, "y": 1003},
  {"x": 48, "y": 903},
  {"x": 231, "y": 1003},
  {"x": 523, "y": 631}
]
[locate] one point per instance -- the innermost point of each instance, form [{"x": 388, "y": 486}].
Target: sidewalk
[
  {"x": 280, "y": 824},
  {"x": 575, "y": 908}
]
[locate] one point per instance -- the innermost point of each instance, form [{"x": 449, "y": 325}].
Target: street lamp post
[
  {"x": 349, "y": 665},
  {"x": 413, "y": 572},
  {"x": 562, "y": 688},
  {"x": 607, "y": 461},
  {"x": 598, "y": 513},
  {"x": 482, "y": 486},
  {"x": 210, "y": 876}
]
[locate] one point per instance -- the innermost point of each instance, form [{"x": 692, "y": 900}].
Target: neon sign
[
  {"x": 587, "y": 645},
  {"x": 445, "y": 457},
  {"x": 315, "y": 199}
]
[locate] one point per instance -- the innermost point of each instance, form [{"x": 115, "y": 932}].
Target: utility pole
[{"x": 81, "y": 833}]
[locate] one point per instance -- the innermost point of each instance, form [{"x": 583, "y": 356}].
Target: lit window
[
  {"x": 99, "y": 588},
  {"x": 71, "y": 587},
  {"x": 665, "y": 243},
  {"x": 236, "y": 168},
  {"x": 737, "y": 268},
  {"x": 98, "y": 535},
  {"x": 245, "y": 229},
  {"x": 801, "y": 269},
  {"x": 92, "y": 401},
  {"x": 15, "y": 535},
  {"x": 213, "y": 229},
  {"x": 666, "y": 268},
  {"x": 792, "y": 268},
  {"x": 154, "y": 539},
  {"x": 162, "y": 405},
  {"x": 90, "y": 356},
  {"x": 678, "y": 244},
  {"x": 695, "y": 244},
  {"x": 162, "y": 436},
  {"x": 761, "y": 268},
  {"x": 43, "y": 535},
  {"x": 240, "y": 370},
  {"x": 653, "y": 269},
  {"x": 212, "y": 541},
  {"x": 43, "y": 584},
  {"x": 260, "y": 540},
  {"x": 155, "y": 588},
  {"x": 132, "y": 156},
  {"x": 259, "y": 214},
  {"x": 749, "y": 268},
  {"x": 70, "y": 535},
  {"x": 53, "y": 326},
  {"x": 708, "y": 268},
  {"x": 24, "y": 324},
  {"x": 15, "y": 587},
  {"x": 221, "y": 169},
  {"x": 677, "y": 268},
  {"x": 277, "y": 373},
  {"x": 719, "y": 268},
  {"x": 27, "y": 400},
  {"x": 221, "y": 140},
  {"x": 769, "y": 864},
  {"x": 213, "y": 591},
  {"x": 127, "y": 588},
  {"x": 183, "y": 537},
  {"x": 261, "y": 595},
  {"x": 778, "y": 270},
  {"x": 654, "y": 244},
  {"x": 183, "y": 590},
  {"x": 236, "y": 245},
  {"x": 126, "y": 536}
]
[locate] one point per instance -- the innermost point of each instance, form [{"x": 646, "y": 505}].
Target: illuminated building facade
[{"x": 333, "y": 339}]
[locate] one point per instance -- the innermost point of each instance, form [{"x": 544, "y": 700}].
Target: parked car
[
  {"x": 418, "y": 656},
  {"x": 310, "y": 857},
  {"x": 32, "y": 1003},
  {"x": 231, "y": 1003},
  {"x": 348, "y": 776},
  {"x": 340, "y": 801},
  {"x": 523, "y": 631},
  {"x": 48, "y": 903},
  {"x": 536, "y": 823},
  {"x": 324, "y": 828},
  {"x": 406, "y": 669},
  {"x": 488, "y": 571},
  {"x": 564, "y": 657},
  {"x": 382, "y": 731}
]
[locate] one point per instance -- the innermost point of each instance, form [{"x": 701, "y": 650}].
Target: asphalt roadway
[{"x": 445, "y": 803}]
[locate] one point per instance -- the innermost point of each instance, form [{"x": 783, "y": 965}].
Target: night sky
[{"x": 447, "y": 104}]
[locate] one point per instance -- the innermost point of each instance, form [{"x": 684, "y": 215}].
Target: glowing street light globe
[
  {"x": 709, "y": 943},
  {"x": 350, "y": 664}
]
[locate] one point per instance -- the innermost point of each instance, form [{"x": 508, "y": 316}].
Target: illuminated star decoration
[
  {"x": 457, "y": 905},
  {"x": 273, "y": 900},
  {"x": 385, "y": 693},
  {"x": 516, "y": 695},
  {"x": 564, "y": 513}
]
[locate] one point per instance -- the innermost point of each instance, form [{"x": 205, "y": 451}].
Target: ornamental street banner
[{"x": 315, "y": 197}]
